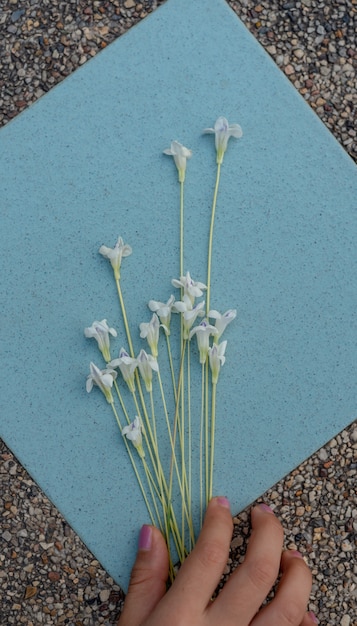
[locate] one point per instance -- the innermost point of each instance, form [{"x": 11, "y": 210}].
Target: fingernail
[
  {"x": 296, "y": 554},
  {"x": 265, "y": 508},
  {"x": 222, "y": 501},
  {"x": 145, "y": 537},
  {"x": 313, "y": 617}
]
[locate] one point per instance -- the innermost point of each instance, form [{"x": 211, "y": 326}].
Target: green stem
[
  {"x": 177, "y": 428},
  {"x": 210, "y": 241},
  {"x": 206, "y": 436},
  {"x": 172, "y": 444},
  {"x": 183, "y": 465},
  {"x": 131, "y": 349},
  {"x": 122, "y": 404},
  {"x": 168, "y": 342},
  {"x": 177, "y": 410},
  {"x": 201, "y": 440},
  {"x": 163, "y": 492},
  {"x": 153, "y": 419},
  {"x": 149, "y": 439},
  {"x": 189, "y": 441},
  {"x": 174, "y": 459},
  {"x": 153, "y": 487},
  {"x": 152, "y": 517},
  {"x": 181, "y": 228},
  {"x": 125, "y": 319},
  {"x": 213, "y": 427}
]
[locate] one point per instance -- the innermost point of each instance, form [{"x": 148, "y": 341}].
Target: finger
[
  {"x": 288, "y": 608},
  {"x": 201, "y": 571},
  {"x": 249, "y": 585},
  {"x": 148, "y": 577}
]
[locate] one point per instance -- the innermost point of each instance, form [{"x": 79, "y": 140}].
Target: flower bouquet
[{"x": 169, "y": 469}]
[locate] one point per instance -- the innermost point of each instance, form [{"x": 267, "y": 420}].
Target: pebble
[
  {"x": 299, "y": 511},
  {"x": 322, "y": 453},
  {"x": 354, "y": 434},
  {"x": 347, "y": 546},
  {"x": 237, "y": 542},
  {"x": 104, "y": 595},
  {"x": 6, "y": 536},
  {"x": 299, "y": 53},
  {"x": 17, "y": 14},
  {"x": 30, "y": 592}
]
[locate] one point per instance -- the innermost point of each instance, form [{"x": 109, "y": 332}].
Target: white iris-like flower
[
  {"x": 189, "y": 313},
  {"x": 216, "y": 359},
  {"x": 103, "y": 379},
  {"x": 147, "y": 364},
  {"x": 180, "y": 154},
  {"x": 203, "y": 332},
  {"x": 163, "y": 310},
  {"x": 100, "y": 331},
  {"x": 116, "y": 254},
  {"x": 133, "y": 432},
  {"x": 191, "y": 288},
  {"x": 150, "y": 332},
  {"x": 223, "y": 131},
  {"x": 127, "y": 366},
  {"x": 222, "y": 320}
]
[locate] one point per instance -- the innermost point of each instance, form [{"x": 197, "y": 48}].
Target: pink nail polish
[
  {"x": 145, "y": 537},
  {"x": 265, "y": 508},
  {"x": 313, "y": 617},
  {"x": 222, "y": 501},
  {"x": 296, "y": 554}
]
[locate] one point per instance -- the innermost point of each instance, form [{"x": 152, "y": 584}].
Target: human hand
[{"x": 188, "y": 601}]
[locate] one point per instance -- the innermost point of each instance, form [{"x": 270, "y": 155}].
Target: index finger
[{"x": 200, "y": 573}]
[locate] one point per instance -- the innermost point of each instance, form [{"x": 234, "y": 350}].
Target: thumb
[{"x": 148, "y": 577}]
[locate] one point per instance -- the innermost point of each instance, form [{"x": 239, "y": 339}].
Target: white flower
[
  {"x": 116, "y": 254},
  {"x": 163, "y": 311},
  {"x": 222, "y": 321},
  {"x": 100, "y": 331},
  {"x": 180, "y": 154},
  {"x": 147, "y": 364},
  {"x": 127, "y": 366},
  {"x": 150, "y": 331},
  {"x": 191, "y": 288},
  {"x": 203, "y": 333},
  {"x": 216, "y": 359},
  {"x": 223, "y": 131},
  {"x": 133, "y": 432},
  {"x": 189, "y": 313},
  {"x": 102, "y": 379}
]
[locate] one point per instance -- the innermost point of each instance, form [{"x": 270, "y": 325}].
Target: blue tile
[{"x": 84, "y": 165}]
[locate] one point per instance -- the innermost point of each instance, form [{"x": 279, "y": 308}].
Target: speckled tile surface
[{"x": 71, "y": 169}]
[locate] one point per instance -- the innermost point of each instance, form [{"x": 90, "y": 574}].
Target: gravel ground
[{"x": 47, "y": 574}]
